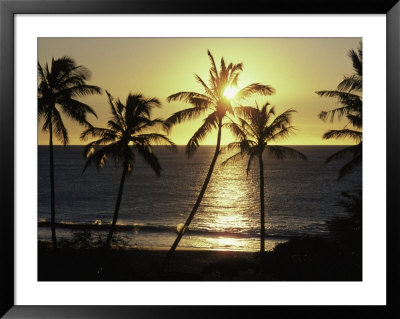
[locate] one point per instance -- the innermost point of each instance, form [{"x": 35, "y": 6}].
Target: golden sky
[{"x": 159, "y": 67}]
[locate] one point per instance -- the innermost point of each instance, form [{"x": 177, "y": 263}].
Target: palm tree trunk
[
  {"x": 115, "y": 217},
  {"x": 52, "y": 192},
  {"x": 262, "y": 208},
  {"x": 198, "y": 201}
]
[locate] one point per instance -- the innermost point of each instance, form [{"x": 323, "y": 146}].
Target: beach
[
  {"x": 311, "y": 259},
  {"x": 141, "y": 265}
]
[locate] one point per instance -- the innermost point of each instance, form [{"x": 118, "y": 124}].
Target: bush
[{"x": 85, "y": 240}]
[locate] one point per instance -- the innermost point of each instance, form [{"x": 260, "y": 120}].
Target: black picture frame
[{"x": 9, "y": 8}]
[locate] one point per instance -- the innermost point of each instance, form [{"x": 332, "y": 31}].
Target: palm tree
[
  {"x": 349, "y": 94},
  {"x": 59, "y": 86},
  {"x": 256, "y": 129},
  {"x": 214, "y": 102},
  {"x": 126, "y": 131}
]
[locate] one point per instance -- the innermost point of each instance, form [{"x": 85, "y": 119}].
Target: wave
[{"x": 100, "y": 226}]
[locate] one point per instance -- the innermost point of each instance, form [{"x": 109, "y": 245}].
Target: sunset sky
[{"x": 159, "y": 67}]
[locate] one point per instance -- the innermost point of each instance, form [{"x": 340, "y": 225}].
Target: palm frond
[
  {"x": 80, "y": 91},
  {"x": 237, "y": 131},
  {"x": 231, "y": 146},
  {"x": 146, "y": 152},
  {"x": 340, "y": 111},
  {"x": 252, "y": 154},
  {"x": 82, "y": 72},
  {"x": 351, "y": 83},
  {"x": 43, "y": 108},
  {"x": 47, "y": 120},
  {"x": 138, "y": 109},
  {"x": 98, "y": 132},
  {"x": 213, "y": 65},
  {"x": 98, "y": 157},
  {"x": 283, "y": 152},
  {"x": 89, "y": 149},
  {"x": 346, "y": 98},
  {"x": 209, "y": 123},
  {"x": 42, "y": 74},
  {"x": 356, "y": 135},
  {"x": 245, "y": 111},
  {"x": 76, "y": 110},
  {"x": 154, "y": 139},
  {"x": 137, "y": 106},
  {"x": 234, "y": 80},
  {"x": 223, "y": 67},
  {"x": 58, "y": 127},
  {"x": 282, "y": 119},
  {"x": 282, "y": 133},
  {"x": 355, "y": 108},
  {"x": 356, "y": 58},
  {"x": 207, "y": 90},
  {"x": 129, "y": 124},
  {"x": 355, "y": 120},
  {"x": 184, "y": 115},
  {"x": 350, "y": 151},
  {"x": 59, "y": 83},
  {"x": 350, "y": 166},
  {"x": 236, "y": 68},
  {"x": 145, "y": 123},
  {"x": 115, "y": 127},
  {"x": 190, "y": 97},
  {"x": 232, "y": 159},
  {"x": 255, "y": 88},
  {"x": 116, "y": 110}
]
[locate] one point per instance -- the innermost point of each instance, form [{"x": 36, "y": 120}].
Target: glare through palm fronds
[{"x": 215, "y": 101}]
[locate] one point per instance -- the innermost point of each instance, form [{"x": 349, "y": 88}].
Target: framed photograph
[{"x": 174, "y": 159}]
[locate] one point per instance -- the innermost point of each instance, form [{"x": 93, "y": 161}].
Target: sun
[{"x": 230, "y": 92}]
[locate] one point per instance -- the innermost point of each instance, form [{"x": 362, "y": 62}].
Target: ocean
[{"x": 299, "y": 198}]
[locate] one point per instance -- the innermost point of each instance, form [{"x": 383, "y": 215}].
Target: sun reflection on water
[
  {"x": 225, "y": 208},
  {"x": 222, "y": 243},
  {"x": 231, "y": 243}
]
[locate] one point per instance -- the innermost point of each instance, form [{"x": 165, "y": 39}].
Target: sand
[
  {"x": 144, "y": 265},
  {"x": 300, "y": 259}
]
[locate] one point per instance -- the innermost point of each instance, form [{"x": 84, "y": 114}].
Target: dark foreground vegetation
[{"x": 300, "y": 259}]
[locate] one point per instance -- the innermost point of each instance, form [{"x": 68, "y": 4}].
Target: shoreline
[
  {"x": 121, "y": 228},
  {"x": 47, "y": 245},
  {"x": 128, "y": 245}
]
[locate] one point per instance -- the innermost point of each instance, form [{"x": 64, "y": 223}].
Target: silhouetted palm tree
[
  {"x": 256, "y": 129},
  {"x": 216, "y": 104},
  {"x": 128, "y": 130},
  {"x": 349, "y": 94},
  {"x": 59, "y": 86}
]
